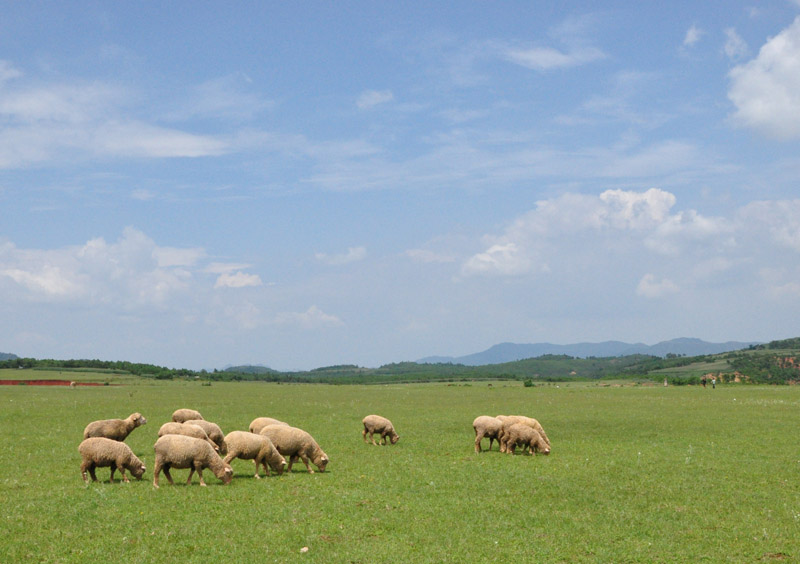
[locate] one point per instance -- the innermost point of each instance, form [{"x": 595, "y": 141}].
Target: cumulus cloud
[
  {"x": 237, "y": 280},
  {"x": 312, "y": 318},
  {"x": 766, "y": 90},
  {"x": 371, "y": 98},
  {"x": 130, "y": 272},
  {"x": 652, "y": 287},
  {"x": 624, "y": 219},
  {"x": 353, "y": 254},
  {"x": 505, "y": 259}
]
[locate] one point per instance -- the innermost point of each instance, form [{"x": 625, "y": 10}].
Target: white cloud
[
  {"x": 371, "y": 98},
  {"x": 7, "y": 71},
  {"x": 618, "y": 218},
  {"x": 766, "y": 90},
  {"x": 547, "y": 58},
  {"x": 780, "y": 219},
  {"x": 237, "y": 280},
  {"x": 735, "y": 47},
  {"x": 693, "y": 35},
  {"x": 130, "y": 273},
  {"x": 651, "y": 287},
  {"x": 313, "y": 318},
  {"x": 506, "y": 259},
  {"x": 353, "y": 254}
]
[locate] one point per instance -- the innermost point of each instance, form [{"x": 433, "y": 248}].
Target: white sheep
[
  {"x": 116, "y": 429},
  {"x": 377, "y": 424},
  {"x": 213, "y": 431},
  {"x": 101, "y": 452},
  {"x": 294, "y": 443},
  {"x": 183, "y": 415},
  {"x": 520, "y": 434},
  {"x": 180, "y": 451},
  {"x": 187, "y": 429},
  {"x": 260, "y": 422},
  {"x": 509, "y": 420},
  {"x": 258, "y": 448},
  {"x": 488, "y": 427}
]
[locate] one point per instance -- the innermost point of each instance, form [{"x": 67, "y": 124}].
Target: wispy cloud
[
  {"x": 735, "y": 47},
  {"x": 353, "y": 254},
  {"x": 312, "y": 318},
  {"x": 693, "y": 35},
  {"x": 548, "y": 58},
  {"x": 371, "y": 98}
]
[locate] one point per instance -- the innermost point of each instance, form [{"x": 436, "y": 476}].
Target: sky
[{"x": 300, "y": 185}]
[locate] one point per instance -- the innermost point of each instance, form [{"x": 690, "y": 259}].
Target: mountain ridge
[{"x": 510, "y": 352}]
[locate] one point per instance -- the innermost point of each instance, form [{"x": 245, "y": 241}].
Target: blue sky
[{"x": 301, "y": 185}]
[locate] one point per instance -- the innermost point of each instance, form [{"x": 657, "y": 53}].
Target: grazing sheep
[
  {"x": 180, "y": 451},
  {"x": 295, "y": 443},
  {"x": 116, "y": 429},
  {"x": 213, "y": 431},
  {"x": 260, "y": 422},
  {"x": 488, "y": 427},
  {"x": 100, "y": 452},
  {"x": 520, "y": 434},
  {"x": 187, "y": 429},
  {"x": 258, "y": 448},
  {"x": 184, "y": 415},
  {"x": 509, "y": 420},
  {"x": 382, "y": 426}
]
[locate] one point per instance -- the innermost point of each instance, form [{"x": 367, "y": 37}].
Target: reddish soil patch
[{"x": 46, "y": 383}]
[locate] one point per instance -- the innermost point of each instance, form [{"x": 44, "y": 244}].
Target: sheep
[
  {"x": 489, "y": 427},
  {"x": 295, "y": 443},
  {"x": 382, "y": 426},
  {"x": 116, "y": 429},
  {"x": 187, "y": 429},
  {"x": 184, "y": 415},
  {"x": 101, "y": 451},
  {"x": 524, "y": 435},
  {"x": 258, "y": 448},
  {"x": 260, "y": 422},
  {"x": 180, "y": 451},
  {"x": 509, "y": 420},
  {"x": 213, "y": 431}
]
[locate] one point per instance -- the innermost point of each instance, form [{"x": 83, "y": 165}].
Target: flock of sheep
[{"x": 189, "y": 441}]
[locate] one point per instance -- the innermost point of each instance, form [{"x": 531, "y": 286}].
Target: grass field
[{"x": 637, "y": 474}]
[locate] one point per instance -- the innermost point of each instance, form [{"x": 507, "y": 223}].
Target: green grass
[{"x": 637, "y": 474}]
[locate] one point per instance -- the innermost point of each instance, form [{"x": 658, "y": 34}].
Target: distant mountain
[
  {"x": 509, "y": 352},
  {"x": 8, "y": 356}
]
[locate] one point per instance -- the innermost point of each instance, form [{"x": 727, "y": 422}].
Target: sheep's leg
[
  {"x": 305, "y": 461},
  {"x": 491, "y": 440},
  {"x": 256, "y": 463},
  {"x": 199, "y": 469},
  {"x": 364, "y": 433},
  {"x": 191, "y": 473},
  {"x": 478, "y": 439},
  {"x": 121, "y": 469},
  {"x": 292, "y": 459},
  {"x": 111, "y": 478},
  {"x": 168, "y": 475},
  {"x": 84, "y": 467}
]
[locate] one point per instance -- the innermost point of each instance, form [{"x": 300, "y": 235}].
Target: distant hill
[
  {"x": 250, "y": 369},
  {"x": 510, "y": 352},
  {"x": 8, "y": 356}
]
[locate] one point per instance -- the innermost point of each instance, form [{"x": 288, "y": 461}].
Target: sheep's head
[
  {"x": 227, "y": 474},
  {"x": 138, "y": 470},
  {"x": 321, "y": 462},
  {"x": 138, "y": 419},
  {"x": 395, "y": 438}
]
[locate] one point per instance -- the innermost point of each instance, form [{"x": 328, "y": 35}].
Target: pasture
[{"x": 637, "y": 474}]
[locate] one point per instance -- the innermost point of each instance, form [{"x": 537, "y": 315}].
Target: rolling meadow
[{"x": 637, "y": 474}]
